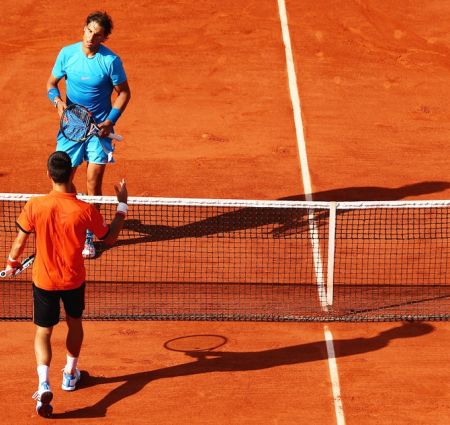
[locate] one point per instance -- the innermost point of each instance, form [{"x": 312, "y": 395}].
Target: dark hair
[
  {"x": 103, "y": 19},
  {"x": 59, "y": 167}
]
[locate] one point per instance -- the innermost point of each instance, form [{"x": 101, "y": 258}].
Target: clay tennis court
[{"x": 211, "y": 116}]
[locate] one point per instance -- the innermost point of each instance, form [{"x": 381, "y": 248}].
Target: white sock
[
  {"x": 71, "y": 364},
  {"x": 42, "y": 371}
]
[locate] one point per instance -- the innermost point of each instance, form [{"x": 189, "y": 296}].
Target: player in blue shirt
[{"x": 92, "y": 72}]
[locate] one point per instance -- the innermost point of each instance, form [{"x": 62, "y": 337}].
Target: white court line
[
  {"x": 334, "y": 375},
  {"x": 295, "y": 99}
]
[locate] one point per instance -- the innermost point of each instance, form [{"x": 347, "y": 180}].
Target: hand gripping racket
[
  {"x": 77, "y": 124},
  {"x": 27, "y": 262}
]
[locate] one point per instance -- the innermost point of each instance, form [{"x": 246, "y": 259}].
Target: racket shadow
[{"x": 226, "y": 361}]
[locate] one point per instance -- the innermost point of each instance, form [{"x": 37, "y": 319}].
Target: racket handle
[
  {"x": 27, "y": 262},
  {"x": 114, "y": 136},
  {"x": 7, "y": 273}
]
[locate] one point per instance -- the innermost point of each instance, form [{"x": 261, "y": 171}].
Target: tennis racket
[
  {"x": 27, "y": 262},
  {"x": 77, "y": 124}
]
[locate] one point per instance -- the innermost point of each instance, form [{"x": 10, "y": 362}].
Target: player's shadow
[
  {"x": 223, "y": 361},
  {"x": 376, "y": 193},
  {"x": 274, "y": 222}
]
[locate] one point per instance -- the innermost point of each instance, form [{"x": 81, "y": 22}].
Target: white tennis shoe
[
  {"x": 70, "y": 381},
  {"x": 43, "y": 397},
  {"x": 89, "y": 249}
]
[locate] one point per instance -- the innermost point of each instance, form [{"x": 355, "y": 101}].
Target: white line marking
[
  {"x": 331, "y": 252},
  {"x": 318, "y": 263},
  {"x": 295, "y": 99},
  {"x": 334, "y": 376},
  {"x": 301, "y": 145}
]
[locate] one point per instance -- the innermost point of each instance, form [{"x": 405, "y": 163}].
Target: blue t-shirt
[{"x": 90, "y": 81}]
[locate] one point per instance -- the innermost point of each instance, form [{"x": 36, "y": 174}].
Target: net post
[{"x": 331, "y": 250}]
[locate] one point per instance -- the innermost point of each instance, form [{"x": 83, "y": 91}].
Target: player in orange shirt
[{"x": 59, "y": 221}]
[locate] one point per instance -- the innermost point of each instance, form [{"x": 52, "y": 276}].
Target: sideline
[{"x": 301, "y": 145}]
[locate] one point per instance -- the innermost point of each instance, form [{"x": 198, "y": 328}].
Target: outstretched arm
[{"x": 117, "y": 223}]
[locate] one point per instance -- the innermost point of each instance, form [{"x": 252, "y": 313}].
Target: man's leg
[
  {"x": 74, "y": 341},
  {"x": 42, "y": 346},
  {"x": 74, "y": 302},
  {"x": 74, "y": 170},
  {"x": 94, "y": 178},
  {"x": 94, "y": 182},
  {"x": 43, "y": 351}
]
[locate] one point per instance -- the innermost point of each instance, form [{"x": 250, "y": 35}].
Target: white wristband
[{"x": 122, "y": 208}]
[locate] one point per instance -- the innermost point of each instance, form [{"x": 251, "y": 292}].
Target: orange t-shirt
[{"x": 60, "y": 221}]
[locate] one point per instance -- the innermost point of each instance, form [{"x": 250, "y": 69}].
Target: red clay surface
[{"x": 211, "y": 116}]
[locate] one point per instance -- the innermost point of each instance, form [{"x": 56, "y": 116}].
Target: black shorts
[{"x": 46, "y": 305}]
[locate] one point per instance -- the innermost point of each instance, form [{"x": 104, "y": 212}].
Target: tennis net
[{"x": 194, "y": 259}]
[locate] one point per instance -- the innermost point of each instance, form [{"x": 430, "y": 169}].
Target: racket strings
[{"x": 75, "y": 123}]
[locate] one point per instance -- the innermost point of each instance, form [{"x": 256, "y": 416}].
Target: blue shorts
[{"x": 94, "y": 150}]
